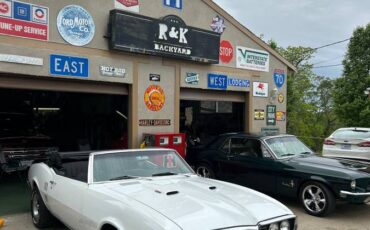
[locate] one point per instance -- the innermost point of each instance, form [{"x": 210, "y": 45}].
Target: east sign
[{"x": 168, "y": 36}]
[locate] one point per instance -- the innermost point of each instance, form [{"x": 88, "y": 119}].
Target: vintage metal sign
[
  {"x": 260, "y": 89},
  {"x": 129, "y": 5},
  {"x": 169, "y": 37},
  {"x": 221, "y": 81},
  {"x": 226, "y": 51},
  {"x": 154, "y": 98},
  {"x": 280, "y": 116},
  {"x": 25, "y": 20},
  {"x": 281, "y": 98},
  {"x": 218, "y": 24},
  {"x": 111, "y": 71},
  {"x": 177, "y": 4},
  {"x": 252, "y": 59},
  {"x": 76, "y": 25},
  {"x": 271, "y": 115},
  {"x": 192, "y": 78},
  {"x": 259, "y": 114},
  {"x": 21, "y": 59},
  {"x": 155, "y": 122},
  {"x": 69, "y": 66},
  {"x": 154, "y": 77},
  {"x": 279, "y": 77}
]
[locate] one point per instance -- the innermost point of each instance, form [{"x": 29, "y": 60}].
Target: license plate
[{"x": 346, "y": 146}]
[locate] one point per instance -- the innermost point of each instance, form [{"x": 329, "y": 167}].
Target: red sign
[
  {"x": 24, "y": 29},
  {"x": 129, "y": 3},
  {"x": 4, "y": 8},
  {"x": 226, "y": 51}
]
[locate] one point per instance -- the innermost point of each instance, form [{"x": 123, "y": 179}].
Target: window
[
  {"x": 245, "y": 147},
  {"x": 352, "y": 134}
]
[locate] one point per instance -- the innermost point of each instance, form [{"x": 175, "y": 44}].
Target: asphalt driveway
[{"x": 345, "y": 217}]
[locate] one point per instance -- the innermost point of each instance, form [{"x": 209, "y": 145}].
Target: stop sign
[{"x": 226, "y": 51}]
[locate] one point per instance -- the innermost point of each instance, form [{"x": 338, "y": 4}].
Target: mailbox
[{"x": 174, "y": 141}]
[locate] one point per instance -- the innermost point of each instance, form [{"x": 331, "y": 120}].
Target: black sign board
[
  {"x": 168, "y": 36},
  {"x": 271, "y": 115}
]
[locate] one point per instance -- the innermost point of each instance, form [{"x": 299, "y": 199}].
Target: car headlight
[
  {"x": 274, "y": 226},
  {"x": 353, "y": 184},
  {"x": 285, "y": 225}
]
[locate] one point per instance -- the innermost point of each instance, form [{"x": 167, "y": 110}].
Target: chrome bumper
[
  {"x": 345, "y": 193},
  {"x": 357, "y": 197}
]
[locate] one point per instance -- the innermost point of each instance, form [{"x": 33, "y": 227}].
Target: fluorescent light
[{"x": 46, "y": 109}]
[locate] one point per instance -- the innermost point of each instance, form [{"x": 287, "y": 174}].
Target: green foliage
[{"x": 352, "y": 106}]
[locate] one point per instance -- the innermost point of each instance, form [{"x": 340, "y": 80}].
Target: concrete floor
[{"x": 345, "y": 217}]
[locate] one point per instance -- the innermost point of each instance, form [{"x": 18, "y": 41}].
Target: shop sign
[
  {"x": 281, "y": 98},
  {"x": 270, "y": 131},
  {"x": 154, "y": 77},
  {"x": 218, "y": 24},
  {"x": 24, "y": 20},
  {"x": 279, "y": 77},
  {"x": 260, "y": 89},
  {"x": 129, "y": 5},
  {"x": 271, "y": 115},
  {"x": 192, "y": 78},
  {"x": 21, "y": 59},
  {"x": 238, "y": 82},
  {"x": 168, "y": 36},
  {"x": 252, "y": 59},
  {"x": 226, "y": 51},
  {"x": 69, "y": 66},
  {"x": 76, "y": 25},
  {"x": 177, "y": 4},
  {"x": 259, "y": 114},
  {"x": 155, "y": 122},
  {"x": 112, "y": 71},
  {"x": 280, "y": 116},
  {"x": 217, "y": 81},
  {"x": 154, "y": 98}
]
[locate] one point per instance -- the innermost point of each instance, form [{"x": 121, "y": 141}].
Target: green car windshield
[{"x": 288, "y": 146}]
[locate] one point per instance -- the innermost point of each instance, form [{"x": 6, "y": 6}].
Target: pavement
[{"x": 345, "y": 217}]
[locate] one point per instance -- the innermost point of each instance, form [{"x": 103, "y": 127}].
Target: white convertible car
[{"x": 150, "y": 189}]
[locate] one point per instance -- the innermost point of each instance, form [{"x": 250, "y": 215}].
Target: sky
[{"x": 309, "y": 23}]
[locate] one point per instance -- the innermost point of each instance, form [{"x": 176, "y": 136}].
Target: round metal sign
[
  {"x": 154, "y": 98},
  {"x": 76, "y": 25}
]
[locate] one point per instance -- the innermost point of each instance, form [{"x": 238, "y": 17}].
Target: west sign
[{"x": 168, "y": 36}]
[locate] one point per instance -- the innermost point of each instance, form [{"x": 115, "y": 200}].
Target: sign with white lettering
[
  {"x": 177, "y": 4},
  {"x": 168, "y": 36},
  {"x": 155, "y": 122},
  {"x": 24, "y": 20},
  {"x": 69, "y": 66},
  {"x": 220, "y": 81},
  {"x": 279, "y": 77},
  {"x": 21, "y": 59},
  {"x": 252, "y": 59},
  {"x": 192, "y": 78},
  {"x": 271, "y": 115},
  {"x": 112, "y": 71},
  {"x": 76, "y": 25}
]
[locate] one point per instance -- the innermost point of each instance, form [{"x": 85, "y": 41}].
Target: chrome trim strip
[{"x": 346, "y": 193}]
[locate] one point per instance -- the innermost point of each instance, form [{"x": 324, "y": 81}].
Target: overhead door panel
[{"x": 212, "y": 95}]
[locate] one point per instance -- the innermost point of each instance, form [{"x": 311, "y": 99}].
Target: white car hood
[{"x": 198, "y": 203}]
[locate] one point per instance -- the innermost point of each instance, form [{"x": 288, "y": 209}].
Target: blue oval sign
[{"x": 76, "y": 25}]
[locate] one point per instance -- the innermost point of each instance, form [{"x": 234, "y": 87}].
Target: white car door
[{"x": 65, "y": 200}]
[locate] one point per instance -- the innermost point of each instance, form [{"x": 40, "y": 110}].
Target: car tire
[
  {"x": 317, "y": 199},
  {"x": 41, "y": 217},
  {"x": 205, "y": 170}
]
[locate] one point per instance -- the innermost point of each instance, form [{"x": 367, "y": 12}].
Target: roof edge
[{"x": 249, "y": 33}]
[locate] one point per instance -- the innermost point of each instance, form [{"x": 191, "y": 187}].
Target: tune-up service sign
[
  {"x": 25, "y": 20},
  {"x": 76, "y": 25}
]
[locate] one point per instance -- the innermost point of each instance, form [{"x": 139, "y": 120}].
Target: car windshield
[
  {"x": 352, "y": 134},
  {"x": 288, "y": 146},
  {"x": 130, "y": 165}
]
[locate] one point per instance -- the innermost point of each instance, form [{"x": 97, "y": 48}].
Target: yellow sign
[
  {"x": 281, "y": 98},
  {"x": 259, "y": 114},
  {"x": 280, "y": 116},
  {"x": 154, "y": 98}
]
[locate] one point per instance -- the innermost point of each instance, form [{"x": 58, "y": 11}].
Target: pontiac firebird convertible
[{"x": 145, "y": 189}]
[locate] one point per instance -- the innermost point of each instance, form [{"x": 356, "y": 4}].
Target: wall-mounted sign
[
  {"x": 220, "y": 81},
  {"x": 238, "y": 82},
  {"x": 177, "y": 4},
  {"x": 24, "y": 20},
  {"x": 259, "y": 114},
  {"x": 69, "y": 66},
  {"x": 279, "y": 77},
  {"x": 155, "y": 122},
  {"x": 21, "y": 59},
  {"x": 260, "y": 89},
  {"x": 281, "y": 98},
  {"x": 270, "y": 131},
  {"x": 218, "y": 24},
  {"x": 154, "y": 77},
  {"x": 271, "y": 115},
  {"x": 154, "y": 98},
  {"x": 110, "y": 71},
  {"x": 168, "y": 36},
  {"x": 192, "y": 78},
  {"x": 129, "y": 5},
  {"x": 252, "y": 59},
  {"x": 280, "y": 116},
  {"x": 226, "y": 51},
  {"x": 76, "y": 25}
]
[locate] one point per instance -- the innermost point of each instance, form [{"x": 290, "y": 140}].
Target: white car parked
[
  {"x": 145, "y": 189},
  {"x": 351, "y": 143}
]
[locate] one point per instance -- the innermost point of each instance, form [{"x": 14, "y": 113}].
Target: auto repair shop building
[{"x": 94, "y": 74}]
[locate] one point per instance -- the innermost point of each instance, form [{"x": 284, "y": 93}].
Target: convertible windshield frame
[
  {"x": 133, "y": 151},
  {"x": 283, "y": 136}
]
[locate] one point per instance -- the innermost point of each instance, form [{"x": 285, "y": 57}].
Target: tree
[{"x": 351, "y": 105}]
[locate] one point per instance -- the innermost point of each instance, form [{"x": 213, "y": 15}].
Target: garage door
[
  {"x": 212, "y": 95},
  {"x": 64, "y": 85}
]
